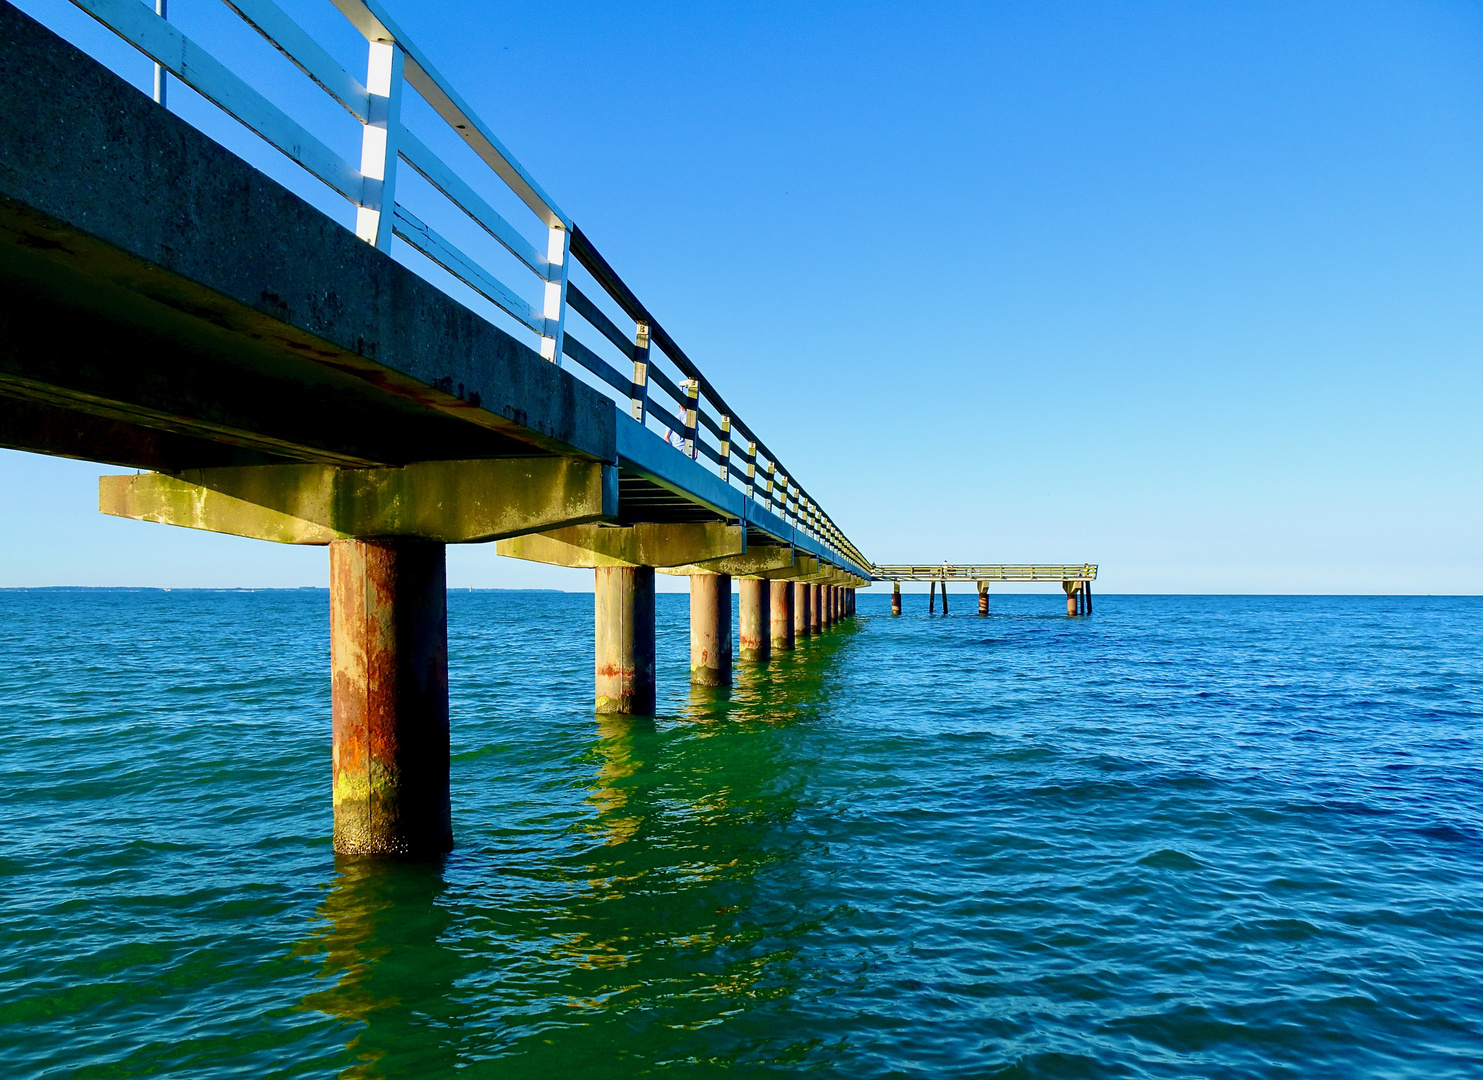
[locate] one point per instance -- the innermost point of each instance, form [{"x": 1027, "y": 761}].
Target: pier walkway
[
  {"x": 1076, "y": 580},
  {"x": 276, "y": 374}
]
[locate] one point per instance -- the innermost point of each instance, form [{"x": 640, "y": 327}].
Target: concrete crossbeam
[
  {"x": 755, "y": 563},
  {"x": 645, "y": 544},
  {"x": 449, "y": 501}
]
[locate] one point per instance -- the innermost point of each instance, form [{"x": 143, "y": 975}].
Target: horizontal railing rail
[
  {"x": 985, "y": 572},
  {"x": 696, "y": 420}
]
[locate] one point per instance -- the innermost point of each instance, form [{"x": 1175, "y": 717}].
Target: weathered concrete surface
[
  {"x": 802, "y": 618},
  {"x": 151, "y": 278},
  {"x": 623, "y": 609},
  {"x": 753, "y": 625},
  {"x": 755, "y": 563},
  {"x": 710, "y": 630},
  {"x": 453, "y": 502},
  {"x": 389, "y": 695},
  {"x": 645, "y": 544},
  {"x": 780, "y": 615}
]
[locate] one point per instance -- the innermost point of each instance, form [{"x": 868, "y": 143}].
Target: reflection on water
[
  {"x": 380, "y": 934},
  {"x": 653, "y": 936}
]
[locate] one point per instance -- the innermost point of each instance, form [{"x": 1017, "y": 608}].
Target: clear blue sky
[{"x": 1193, "y": 291}]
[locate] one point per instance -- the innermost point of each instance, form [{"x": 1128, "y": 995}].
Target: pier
[
  {"x": 273, "y": 374},
  {"x": 1075, "y": 580}
]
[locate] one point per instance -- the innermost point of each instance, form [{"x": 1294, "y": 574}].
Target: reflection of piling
[
  {"x": 754, "y": 623},
  {"x": 623, "y": 608},
  {"x": 389, "y": 697},
  {"x": 780, "y": 615},
  {"x": 895, "y": 598}
]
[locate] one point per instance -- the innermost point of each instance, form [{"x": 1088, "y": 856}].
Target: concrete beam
[
  {"x": 449, "y": 501},
  {"x": 803, "y": 565},
  {"x": 644, "y": 544},
  {"x": 754, "y": 564},
  {"x": 156, "y": 279}
]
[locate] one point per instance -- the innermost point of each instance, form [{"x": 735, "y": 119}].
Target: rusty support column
[
  {"x": 623, "y": 606},
  {"x": 1070, "y": 587},
  {"x": 710, "y": 629},
  {"x": 389, "y": 697},
  {"x": 781, "y": 615},
  {"x": 816, "y": 613},
  {"x": 755, "y": 621},
  {"x": 895, "y": 598},
  {"x": 983, "y": 597},
  {"x": 802, "y": 623}
]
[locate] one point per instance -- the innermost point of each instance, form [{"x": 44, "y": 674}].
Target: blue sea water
[{"x": 1184, "y": 837}]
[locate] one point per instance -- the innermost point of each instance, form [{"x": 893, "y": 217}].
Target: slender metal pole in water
[
  {"x": 932, "y": 596},
  {"x": 944, "y": 596},
  {"x": 895, "y": 598}
]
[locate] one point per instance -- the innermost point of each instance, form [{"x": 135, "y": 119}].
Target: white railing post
[
  {"x": 558, "y": 256},
  {"x": 378, "y": 149},
  {"x": 161, "y": 8},
  {"x": 638, "y": 404}
]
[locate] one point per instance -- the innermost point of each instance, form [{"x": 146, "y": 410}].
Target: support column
[
  {"x": 755, "y": 621},
  {"x": 983, "y": 597},
  {"x": 710, "y": 629},
  {"x": 895, "y": 598},
  {"x": 802, "y": 620},
  {"x": 932, "y": 596},
  {"x": 623, "y": 603},
  {"x": 944, "y": 596},
  {"x": 1087, "y": 595},
  {"x": 389, "y": 697},
  {"x": 1070, "y": 587},
  {"x": 816, "y": 612},
  {"x": 831, "y": 601},
  {"x": 781, "y": 615}
]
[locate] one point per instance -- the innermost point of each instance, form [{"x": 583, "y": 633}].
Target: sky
[{"x": 1190, "y": 291}]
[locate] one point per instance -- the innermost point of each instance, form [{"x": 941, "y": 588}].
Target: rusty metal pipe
[
  {"x": 755, "y": 620},
  {"x": 710, "y": 629},
  {"x": 623, "y": 639},
  {"x": 389, "y": 697},
  {"x": 781, "y": 615}
]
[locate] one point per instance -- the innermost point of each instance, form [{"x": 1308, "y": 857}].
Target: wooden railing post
[
  {"x": 692, "y": 414},
  {"x": 638, "y": 405}
]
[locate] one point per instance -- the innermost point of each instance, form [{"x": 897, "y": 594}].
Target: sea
[{"x": 1186, "y": 836}]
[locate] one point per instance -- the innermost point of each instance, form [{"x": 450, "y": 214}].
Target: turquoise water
[{"x": 1185, "y": 837}]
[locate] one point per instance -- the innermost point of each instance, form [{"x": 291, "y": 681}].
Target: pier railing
[
  {"x": 985, "y": 572},
  {"x": 657, "y": 384}
]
